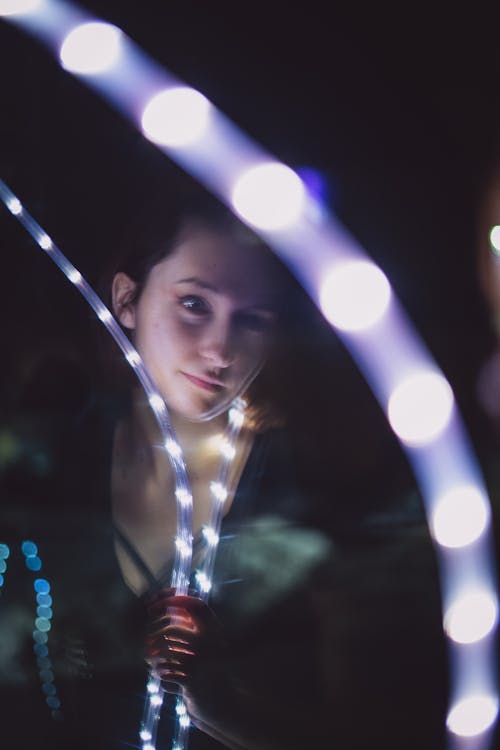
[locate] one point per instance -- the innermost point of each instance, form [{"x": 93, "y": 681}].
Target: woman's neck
[{"x": 197, "y": 439}]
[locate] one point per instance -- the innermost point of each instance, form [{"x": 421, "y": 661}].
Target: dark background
[{"x": 396, "y": 108}]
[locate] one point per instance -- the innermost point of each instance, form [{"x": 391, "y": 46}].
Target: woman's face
[{"x": 203, "y": 322}]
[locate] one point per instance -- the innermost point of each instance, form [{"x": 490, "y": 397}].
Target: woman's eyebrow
[{"x": 198, "y": 282}]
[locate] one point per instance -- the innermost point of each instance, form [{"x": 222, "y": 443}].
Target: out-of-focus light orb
[
  {"x": 269, "y": 196},
  {"x": 91, "y": 48},
  {"x": 473, "y": 715},
  {"x": 495, "y": 239},
  {"x": 471, "y": 617},
  {"x": 14, "y": 205},
  {"x": 460, "y": 516},
  {"x": 354, "y": 296},
  {"x": 176, "y": 117},
  {"x": 420, "y": 408},
  {"x": 18, "y": 7}
]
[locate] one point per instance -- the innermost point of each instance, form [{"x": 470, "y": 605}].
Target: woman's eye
[{"x": 194, "y": 304}]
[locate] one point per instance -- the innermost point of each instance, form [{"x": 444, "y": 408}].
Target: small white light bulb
[
  {"x": 74, "y": 276},
  {"x": 236, "y": 417},
  {"x": 173, "y": 448},
  {"x": 156, "y": 402},
  {"x": 45, "y": 242},
  {"x": 176, "y": 117},
  {"x": 14, "y": 205},
  {"x": 184, "y": 497},
  {"x": 91, "y": 48},
  {"x": 204, "y": 583},
  {"x": 210, "y": 535},
  {"x": 133, "y": 358},
  {"x": 104, "y": 315},
  {"x": 473, "y": 715},
  {"x": 471, "y": 617},
  {"x": 269, "y": 196},
  {"x": 460, "y": 516},
  {"x": 354, "y": 295},
  {"x": 420, "y": 408},
  {"x": 218, "y": 491},
  {"x": 18, "y": 7},
  {"x": 227, "y": 450},
  {"x": 183, "y": 546}
]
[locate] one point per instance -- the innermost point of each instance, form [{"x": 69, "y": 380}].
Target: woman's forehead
[{"x": 222, "y": 263}]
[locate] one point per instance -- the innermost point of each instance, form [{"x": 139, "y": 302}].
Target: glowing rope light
[
  {"x": 176, "y": 117},
  {"x": 220, "y": 163},
  {"x": 420, "y": 408},
  {"x": 269, "y": 196},
  {"x": 473, "y": 715},
  {"x": 210, "y": 535},
  {"x": 460, "y": 517},
  {"x": 91, "y": 48},
  {"x": 354, "y": 296},
  {"x": 219, "y": 492},
  {"x": 18, "y": 7},
  {"x": 182, "y": 561},
  {"x": 471, "y": 617}
]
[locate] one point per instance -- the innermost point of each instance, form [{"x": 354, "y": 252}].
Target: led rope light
[
  {"x": 227, "y": 162},
  {"x": 183, "y": 540},
  {"x": 183, "y": 551}
]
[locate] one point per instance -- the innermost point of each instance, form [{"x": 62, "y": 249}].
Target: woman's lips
[{"x": 208, "y": 385}]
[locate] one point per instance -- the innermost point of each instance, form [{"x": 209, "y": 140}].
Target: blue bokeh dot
[
  {"x": 4, "y": 551},
  {"x": 40, "y": 649},
  {"x": 40, "y": 637},
  {"x": 29, "y": 549},
  {"x": 49, "y": 689},
  {"x": 53, "y": 701},
  {"x": 46, "y": 675},
  {"x": 57, "y": 715},
  {"x": 41, "y": 623},
  {"x": 45, "y": 600},
  {"x": 44, "y": 662},
  {"x": 1, "y": 580},
  {"x": 44, "y": 612},
  {"x": 33, "y": 563},
  {"x": 3, "y": 566},
  {"x": 41, "y": 586}
]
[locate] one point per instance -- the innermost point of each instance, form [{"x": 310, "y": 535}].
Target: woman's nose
[{"x": 217, "y": 346}]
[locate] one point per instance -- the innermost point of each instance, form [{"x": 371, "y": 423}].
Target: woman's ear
[{"x": 123, "y": 292}]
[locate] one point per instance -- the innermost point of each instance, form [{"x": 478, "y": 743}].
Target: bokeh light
[
  {"x": 18, "y": 7},
  {"x": 471, "y": 617},
  {"x": 495, "y": 239},
  {"x": 91, "y": 48},
  {"x": 473, "y": 715},
  {"x": 176, "y": 117},
  {"x": 269, "y": 196},
  {"x": 420, "y": 408},
  {"x": 460, "y": 516},
  {"x": 354, "y": 296}
]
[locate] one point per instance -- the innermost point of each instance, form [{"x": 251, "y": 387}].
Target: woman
[{"x": 205, "y": 304}]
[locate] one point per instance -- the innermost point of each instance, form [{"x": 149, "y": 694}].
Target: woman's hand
[{"x": 185, "y": 640}]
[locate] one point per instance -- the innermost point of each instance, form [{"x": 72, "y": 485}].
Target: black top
[{"x": 335, "y": 642}]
